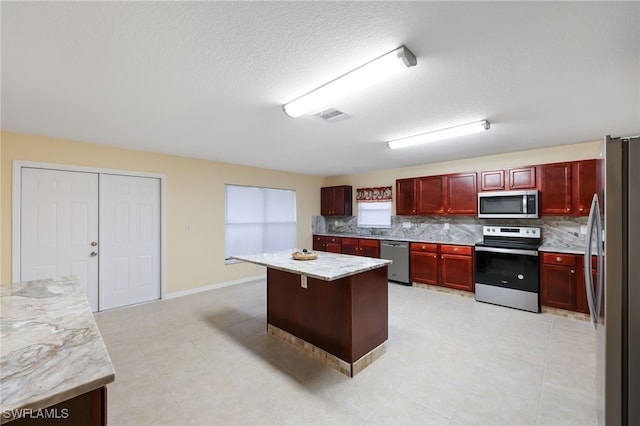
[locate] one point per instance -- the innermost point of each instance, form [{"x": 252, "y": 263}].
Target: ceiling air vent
[{"x": 332, "y": 114}]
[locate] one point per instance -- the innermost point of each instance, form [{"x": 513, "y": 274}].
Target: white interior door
[
  {"x": 59, "y": 224},
  {"x": 129, "y": 240}
]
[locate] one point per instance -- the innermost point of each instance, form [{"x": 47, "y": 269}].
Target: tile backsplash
[{"x": 562, "y": 232}]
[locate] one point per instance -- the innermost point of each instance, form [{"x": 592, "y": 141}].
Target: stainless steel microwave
[{"x": 508, "y": 204}]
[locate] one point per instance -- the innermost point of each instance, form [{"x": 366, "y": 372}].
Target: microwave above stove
[{"x": 508, "y": 204}]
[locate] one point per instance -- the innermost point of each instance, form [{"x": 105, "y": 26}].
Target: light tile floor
[{"x": 206, "y": 359}]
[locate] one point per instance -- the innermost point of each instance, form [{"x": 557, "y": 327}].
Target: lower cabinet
[
  {"x": 361, "y": 247},
  {"x": 562, "y": 281},
  {"x": 456, "y": 267},
  {"x": 330, "y": 244},
  {"x": 424, "y": 263},
  {"x": 442, "y": 264}
]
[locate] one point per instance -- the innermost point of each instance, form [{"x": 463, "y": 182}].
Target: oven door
[{"x": 508, "y": 267}]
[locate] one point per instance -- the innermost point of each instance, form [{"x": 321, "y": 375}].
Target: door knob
[
  {"x": 93, "y": 254},
  {"x": 94, "y": 243}
]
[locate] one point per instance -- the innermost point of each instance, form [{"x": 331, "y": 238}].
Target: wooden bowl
[{"x": 298, "y": 255}]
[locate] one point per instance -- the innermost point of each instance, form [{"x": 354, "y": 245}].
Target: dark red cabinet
[
  {"x": 336, "y": 200},
  {"x": 509, "y": 179},
  {"x": 406, "y": 192},
  {"x": 361, "y": 247},
  {"x": 454, "y": 194},
  {"x": 559, "y": 280},
  {"x": 424, "y": 263},
  {"x": 567, "y": 188},
  {"x": 443, "y": 265}
]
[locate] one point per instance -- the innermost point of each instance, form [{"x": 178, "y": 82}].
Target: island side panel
[
  {"x": 319, "y": 314},
  {"x": 370, "y": 309}
]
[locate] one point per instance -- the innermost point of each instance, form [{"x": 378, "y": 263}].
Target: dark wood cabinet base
[{"x": 347, "y": 318}]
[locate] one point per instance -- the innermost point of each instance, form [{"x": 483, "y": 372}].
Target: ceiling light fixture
[
  {"x": 464, "y": 129},
  {"x": 364, "y": 76}
]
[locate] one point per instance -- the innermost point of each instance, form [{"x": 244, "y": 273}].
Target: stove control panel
[{"x": 511, "y": 231}]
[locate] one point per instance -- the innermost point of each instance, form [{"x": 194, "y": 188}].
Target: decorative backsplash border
[{"x": 562, "y": 232}]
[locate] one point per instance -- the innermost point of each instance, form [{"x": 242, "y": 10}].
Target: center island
[{"x": 334, "y": 307}]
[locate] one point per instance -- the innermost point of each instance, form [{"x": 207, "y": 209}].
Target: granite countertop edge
[
  {"x": 51, "y": 320},
  {"x": 544, "y": 247},
  {"x": 327, "y": 267}
]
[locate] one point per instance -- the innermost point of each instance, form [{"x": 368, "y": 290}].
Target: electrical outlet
[
  {"x": 303, "y": 281},
  {"x": 446, "y": 226},
  {"x": 406, "y": 225},
  {"x": 187, "y": 228},
  {"x": 583, "y": 229}
]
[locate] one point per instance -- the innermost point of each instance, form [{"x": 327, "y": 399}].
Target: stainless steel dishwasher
[{"x": 398, "y": 252}]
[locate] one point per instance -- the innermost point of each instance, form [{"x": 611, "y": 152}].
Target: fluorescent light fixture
[
  {"x": 364, "y": 76},
  {"x": 464, "y": 129}
]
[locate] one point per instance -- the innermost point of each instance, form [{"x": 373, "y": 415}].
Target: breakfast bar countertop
[
  {"x": 52, "y": 349},
  {"x": 327, "y": 267}
]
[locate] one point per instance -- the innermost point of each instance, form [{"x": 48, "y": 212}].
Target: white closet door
[
  {"x": 129, "y": 240},
  {"x": 58, "y": 225}
]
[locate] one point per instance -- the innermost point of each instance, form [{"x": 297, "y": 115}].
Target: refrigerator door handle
[
  {"x": 600, "y": 260},
  {"x": 594, "y": 216}
]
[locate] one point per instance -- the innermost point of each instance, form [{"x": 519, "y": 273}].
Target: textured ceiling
[{"x": 208, "y": 79}]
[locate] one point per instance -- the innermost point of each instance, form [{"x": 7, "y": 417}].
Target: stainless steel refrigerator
[{"x": 614, "y": 297}]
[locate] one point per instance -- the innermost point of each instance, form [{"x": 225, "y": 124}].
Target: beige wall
[
  {"x": 195, "y": 196},
  {"x": 583, "y": 151}
]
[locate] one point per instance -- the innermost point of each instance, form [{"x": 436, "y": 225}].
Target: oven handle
[{"x": 507, "y": 250}]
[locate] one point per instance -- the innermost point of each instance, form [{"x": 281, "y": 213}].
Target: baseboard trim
[{"x": 197, "y": 290}]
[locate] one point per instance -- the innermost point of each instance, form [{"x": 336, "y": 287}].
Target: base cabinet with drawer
[
  {"x": 361, "y": 247},
  {"x": 443, "y": 264}
]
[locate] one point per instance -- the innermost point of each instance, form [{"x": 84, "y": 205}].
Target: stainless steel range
[{"x": 507, "y": 267}]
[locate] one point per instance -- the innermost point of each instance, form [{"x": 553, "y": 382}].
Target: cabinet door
[
  {"x": 326, "y": 201},
  {"x": 492, "y": 180},
  {"x": 558, "y": 286},
  {"x": 424, "y": 267},
  {"x": 431, "y": 195},
  {"x": 584, "y": 185},
  {"x": 342, "y": 200},
  {"x": 555, "y": 189},
  {"x": 456, "y": 271},
  {"x": 406, "y": 197},
  {"x": 461, "y": 194},
  {"x": 522, "y": 178}
]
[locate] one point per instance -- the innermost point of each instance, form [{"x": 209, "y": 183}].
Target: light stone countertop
[
  {"x": 407, "y": 239},
  {"x": 52, "y": 349},
  {"x": 556, "y": 248},
  {"x": 327, "y": 267}
]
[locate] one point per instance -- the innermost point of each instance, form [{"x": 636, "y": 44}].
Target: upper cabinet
[
  {"x": 406, "y": 192},
  {"x": 502, "y": 180},
  {"x": 461, "y": 194},
  {"x": 567, "y": 188},
  {"x": 336, "y": 200},
  {"x": 454, "y": 194}
]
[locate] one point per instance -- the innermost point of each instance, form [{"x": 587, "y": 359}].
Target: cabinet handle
[
  {"x": 573, "y": 271},
  {"x": 435, "y": 256},
  {"x": 441, "y": 257},
  {"x": 558, "y": 259},
  {"x": 568, "y": 209},
  {"x": 581, "y": 209},
  {"x": 455, "y": 250},
  {"x": 448, "y": 210}
]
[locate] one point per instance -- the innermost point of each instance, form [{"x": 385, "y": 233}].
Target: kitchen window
[
  {"x": 374, "y": 207},
  {"x": 259, "y": 220}
]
